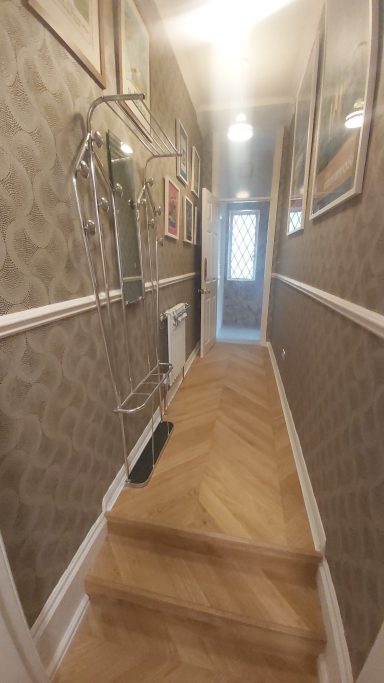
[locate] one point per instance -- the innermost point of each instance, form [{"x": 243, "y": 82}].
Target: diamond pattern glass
[
  {"x": 242, "y": 261},
  {"x": 294, "y": 220}
]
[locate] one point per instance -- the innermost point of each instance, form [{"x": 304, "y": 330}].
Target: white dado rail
[
  {"x": 166, "y": 281},
  {"x": 22, "y": 321},
  {"x": 372, "y": 321}
]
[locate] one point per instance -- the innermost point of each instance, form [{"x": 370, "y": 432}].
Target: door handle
[{"x": 203, "y": 291}]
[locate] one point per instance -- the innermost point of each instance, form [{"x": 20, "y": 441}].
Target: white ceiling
[
  {"x": 245, "y": 66},
  {"x": 245, "y": 170}
]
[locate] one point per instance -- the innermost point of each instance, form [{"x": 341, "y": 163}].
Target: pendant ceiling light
[{"x": 240, "y": 130}]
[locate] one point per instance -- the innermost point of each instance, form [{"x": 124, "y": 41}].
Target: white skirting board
[
  {"x": 314, "y": 517},
  {"x": 334, "y": 665},
  {"x": 57, "y": 622}
]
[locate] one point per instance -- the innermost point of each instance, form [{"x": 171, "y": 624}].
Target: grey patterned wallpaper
[
  {"x": 333, "y": 374},
  {"x": 243, "y": 301},
  {"x": 60, "y": 446}
]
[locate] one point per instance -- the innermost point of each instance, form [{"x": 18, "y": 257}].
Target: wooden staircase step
[
  {"x": 299, "y": 564},
  {"x": 260, "y": 603},
  {"x": 119, "y": 645}
]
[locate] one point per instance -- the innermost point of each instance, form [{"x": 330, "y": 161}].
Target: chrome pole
[
  {"x": 119, "y": 264},
  {"x": 102, "y": 247},
  {"x": 93, "y": 276}
]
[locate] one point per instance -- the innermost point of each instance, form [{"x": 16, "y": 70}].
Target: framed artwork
[
  {"x": 188, "y": 220},
  {"x": 302, "y": 143},
  {"x": 345, "y": 102},
  {"x": 182, "y": 146},
  {"x": 172, "y": 209},
  {"x": 79, "y": 24},
  {"x": 132, "y": 59},
  {"x": 196, "y": 227},
  {"x": 195, "y": 185}
]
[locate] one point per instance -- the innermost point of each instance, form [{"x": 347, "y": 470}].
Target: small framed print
[
  {"x": 188, "y": 220},
  {"x": 182, "y": 148},
  {"x": 80, "y": 26},
  {"x": 132, "y": 50},
  {"x": 172, "y": 209},
  {"x": 197, "y": 227},
  {"x": 195, "y": 172}
]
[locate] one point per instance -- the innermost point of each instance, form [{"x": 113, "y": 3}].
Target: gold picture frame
[
  {"x": 79, "y": 26},
  {"x": 132, "y": 47}
]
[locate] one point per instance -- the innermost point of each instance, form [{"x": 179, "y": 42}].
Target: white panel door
[{"x": 209, "y": 261}]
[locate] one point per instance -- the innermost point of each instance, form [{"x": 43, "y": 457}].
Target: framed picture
[
  {"x": 80, "y": 26},
  {"x": 132, "y": 59},
  {"x": 196, "y": 227},
  {"x": 188, "y": 220},
  {"x": 195, "y": 185},
  {"x": 302, "y": 143},
  {"x": 182, "y": 146},
  {"x": 345, "y": 102},
  {"x": 172, "y": 209}
]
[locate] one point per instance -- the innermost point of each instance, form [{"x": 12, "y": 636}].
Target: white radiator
[{"x": 176, "y": 318}]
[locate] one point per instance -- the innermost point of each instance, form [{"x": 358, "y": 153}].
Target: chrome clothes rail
[{"x": 130, "y": 109}]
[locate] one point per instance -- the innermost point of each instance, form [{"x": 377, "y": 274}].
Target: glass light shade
[
  {"x": 354, "y": 119},
  {"x": 240, "y": 131}
]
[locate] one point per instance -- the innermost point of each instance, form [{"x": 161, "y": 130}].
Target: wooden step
[
  {"x": 260, "y": 604},
  {"x": 299, "y": 564},
  {"x": 119, "y": 645}
]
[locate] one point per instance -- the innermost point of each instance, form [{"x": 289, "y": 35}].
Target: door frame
[
  {"x": 18, "y": 652},
  {"x": 273, "y": 205},
  {"x": 209, "y": 216}
]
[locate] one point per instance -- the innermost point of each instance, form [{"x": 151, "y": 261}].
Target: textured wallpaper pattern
[
  {"x": 60, "y": 448},
  {"x": 333, "y": 374},
  {"x": 60, "y": 442}
]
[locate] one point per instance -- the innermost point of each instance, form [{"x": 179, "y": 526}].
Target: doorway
[{"x": 243, "y": 242}]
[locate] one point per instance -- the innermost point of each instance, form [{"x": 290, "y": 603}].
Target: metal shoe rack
[{"x": 87, "y": 165}]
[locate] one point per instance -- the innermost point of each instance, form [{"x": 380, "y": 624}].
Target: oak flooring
[
  {"x": 208, "y": 573},
  {"x": 228, "y": 467},
  {"x": 139, "y": 646}
]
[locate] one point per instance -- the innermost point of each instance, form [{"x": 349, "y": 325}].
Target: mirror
[{"x": 121, "y": 171}]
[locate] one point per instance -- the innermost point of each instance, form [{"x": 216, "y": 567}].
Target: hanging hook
[
  {"x": 103, "y": 204},
  {"x": 98, "y": 138}
]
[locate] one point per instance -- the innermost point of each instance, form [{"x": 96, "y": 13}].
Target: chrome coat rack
[{"x": 87, "y": 164}]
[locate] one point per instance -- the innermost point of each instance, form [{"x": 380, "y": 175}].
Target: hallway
[
  {"x": 185, "y": 178},
  {"x": 218, "y": 542}
]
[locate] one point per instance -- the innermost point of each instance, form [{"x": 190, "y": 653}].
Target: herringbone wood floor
[
  {"x": 208, "y": 574},
  {"x": 229, "y": 466}
]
